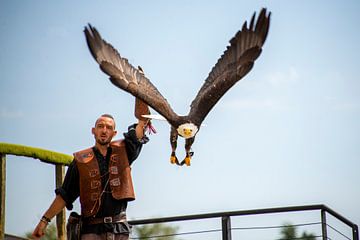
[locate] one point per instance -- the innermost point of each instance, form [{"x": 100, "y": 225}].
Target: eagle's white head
[{"x": 187, "y": 130}]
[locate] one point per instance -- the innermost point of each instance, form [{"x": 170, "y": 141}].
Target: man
[{"x": 101, "y": 177}]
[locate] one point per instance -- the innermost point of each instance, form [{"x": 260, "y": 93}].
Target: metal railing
[{"x": 225, "y": 217}]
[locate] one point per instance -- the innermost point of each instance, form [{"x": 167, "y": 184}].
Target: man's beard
[{"x": 103, "y": 142}]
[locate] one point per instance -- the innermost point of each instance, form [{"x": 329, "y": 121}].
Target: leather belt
[{"x": 114, "y": 219}]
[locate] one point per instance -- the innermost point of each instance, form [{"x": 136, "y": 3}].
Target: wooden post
[
  {"x": 2, "y": 195},
  {"x": 61, "y": 217}
]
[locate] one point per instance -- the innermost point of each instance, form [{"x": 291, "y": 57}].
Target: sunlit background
[{"x": 288, "y": 134}]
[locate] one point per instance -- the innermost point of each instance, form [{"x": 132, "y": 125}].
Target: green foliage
[
  {"x": 306, "y": 236},
  {"x": 155, "y": 231},
  {"x": 42, "y": 154},
  {"x": 50, "y": 234},
  {"x": 289, "y": 232}
]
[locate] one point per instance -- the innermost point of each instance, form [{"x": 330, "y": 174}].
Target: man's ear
[
  {"x": 93, "y": 131},
  {"x": 115, "y": 132}
]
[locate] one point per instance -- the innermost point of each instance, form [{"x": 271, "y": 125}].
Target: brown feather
[
  {"x": 233, "y": 65},
  {"x": 125, "y": 76}
]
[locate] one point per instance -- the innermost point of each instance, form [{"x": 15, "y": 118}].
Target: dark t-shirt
[{"x": 70, "y": 189}]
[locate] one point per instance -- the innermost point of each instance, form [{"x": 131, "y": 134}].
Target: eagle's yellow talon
[
  {"x": 187, "y": 161},
  {"x": 172, "y": 159}
]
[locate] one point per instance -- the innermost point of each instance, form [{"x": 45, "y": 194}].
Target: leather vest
[{"x": 90, "y": 181}]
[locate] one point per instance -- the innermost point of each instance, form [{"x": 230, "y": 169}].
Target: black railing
[{"x": 226, "y": 219}]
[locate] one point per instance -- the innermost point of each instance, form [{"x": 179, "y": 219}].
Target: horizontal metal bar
[{"x": 232, "y": 213}]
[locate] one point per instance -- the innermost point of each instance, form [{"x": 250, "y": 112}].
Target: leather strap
[{"x": 114, "y": 219}]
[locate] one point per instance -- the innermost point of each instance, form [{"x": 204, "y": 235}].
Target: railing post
[
  {"x": 2, "y": 194},
  {"x": 226, "y": 228},
  {"x": 323, "y": 224},
  {"x": 355, "y": 232},
  {"x": 61, "y": 217}
]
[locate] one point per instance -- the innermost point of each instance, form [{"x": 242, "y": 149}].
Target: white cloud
[
  {"x": 279, "y": 79},
  {"x": 347, "y": 106},
  {"x": 340, "y": 104},
  {"x": 253, "y": 104}
]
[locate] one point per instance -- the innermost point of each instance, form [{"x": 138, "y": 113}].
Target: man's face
[{"x": 104, "y": 130}]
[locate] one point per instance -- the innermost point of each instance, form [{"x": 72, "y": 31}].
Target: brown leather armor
[{"x": 90, "y": 181}]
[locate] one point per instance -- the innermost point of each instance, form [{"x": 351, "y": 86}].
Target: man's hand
[
  {"x": 57, "y": 205},
  {"x": 39, "y": 231}
]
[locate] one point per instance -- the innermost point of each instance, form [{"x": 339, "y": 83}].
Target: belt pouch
[{"x": 73, "y": 226}]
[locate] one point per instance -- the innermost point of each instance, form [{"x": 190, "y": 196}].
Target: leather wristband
[{"x": 45, "y": 219}]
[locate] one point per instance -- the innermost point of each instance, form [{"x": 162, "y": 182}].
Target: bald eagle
[{"x": 237, "y": 60}]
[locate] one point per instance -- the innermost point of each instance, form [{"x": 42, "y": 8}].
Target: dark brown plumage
[{"x": 237, "y": 60}]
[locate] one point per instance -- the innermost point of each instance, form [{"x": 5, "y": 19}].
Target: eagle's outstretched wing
[
  {"x": 233, "y": 65},
  {"x": 125, "y": 76}
]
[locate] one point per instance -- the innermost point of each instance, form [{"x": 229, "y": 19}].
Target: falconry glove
[{"x": 141, "y": 108}]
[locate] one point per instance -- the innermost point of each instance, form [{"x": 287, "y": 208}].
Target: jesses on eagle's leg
[
  {"x": 173, "y": 142},
  {"x": 189, "y": 153}
]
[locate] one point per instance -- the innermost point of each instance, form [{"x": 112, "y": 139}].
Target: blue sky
[{"x": 288, "y": 134}]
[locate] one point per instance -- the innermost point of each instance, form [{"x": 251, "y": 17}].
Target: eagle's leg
[
  {"x": 188, "y": 143},
  {"x": 173, "y": 142}
]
